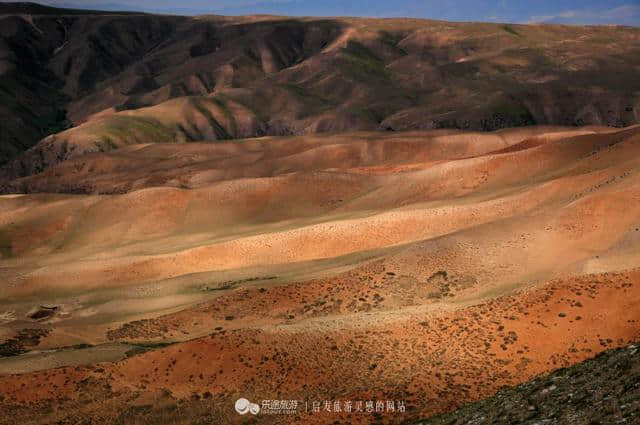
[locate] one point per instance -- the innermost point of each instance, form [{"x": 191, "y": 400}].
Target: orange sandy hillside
[
  {"x": 431, "y": 267},
  {"x": 435, "y": 360}
]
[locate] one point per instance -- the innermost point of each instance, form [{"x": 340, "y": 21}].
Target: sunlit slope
[
  {"x": 432, "y": 266},
  {"x": 195, "y": 208}
]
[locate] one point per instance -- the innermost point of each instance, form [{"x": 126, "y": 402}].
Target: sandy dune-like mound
[{"x": 428, "y": 267}]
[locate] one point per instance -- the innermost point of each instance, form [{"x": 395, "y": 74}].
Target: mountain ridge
[{"x": 308, "y": 75}]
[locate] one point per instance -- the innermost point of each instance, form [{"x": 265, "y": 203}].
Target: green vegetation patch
[
  {"x": 230, "y": 284},
  {"x": 146, "y": 346},
  {"x": 359, "y": 62},
  {"x": 510, "y": 30},
  {"x": 507, "y": 114},
  {"x": 131, "y": 130},
  {"x": 22, "y": 342},
  {"x": 54, "y": 123}
]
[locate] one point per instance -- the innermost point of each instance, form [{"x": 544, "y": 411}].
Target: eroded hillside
[{"x": 255, "y": 76}]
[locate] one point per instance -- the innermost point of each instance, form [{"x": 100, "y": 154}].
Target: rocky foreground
[{"x": 602, "y": 390}]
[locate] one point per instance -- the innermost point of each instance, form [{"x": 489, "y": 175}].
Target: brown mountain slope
[{"x": 300, "y": 76}]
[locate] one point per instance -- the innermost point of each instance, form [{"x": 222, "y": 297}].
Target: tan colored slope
[
  {"x": 435, "y": 266},
  {"x": 159, "y": 233},
  {"x": 487, "y": 229},
  {"x": 195, "y": 165}
]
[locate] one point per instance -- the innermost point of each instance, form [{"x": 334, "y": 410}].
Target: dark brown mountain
[{"x": 212, "y": 77}]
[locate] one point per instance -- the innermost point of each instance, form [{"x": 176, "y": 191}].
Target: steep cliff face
[{"x": 61, "y": 68}]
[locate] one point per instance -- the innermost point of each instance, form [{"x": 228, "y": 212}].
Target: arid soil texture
[{"x": 159, "y": 283}]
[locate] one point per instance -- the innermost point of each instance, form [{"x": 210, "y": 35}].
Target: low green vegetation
[
  {"x": 140, "y": 348},
  {"x": 22, "y": 342},
  {"x": 511, "y": 31},
  {"x": 129, "y": 130},
  {"x": 507, "y": 114},
  {"x": 360, "y": 63},
  {"x": 54, "y": 123},
  {"x": 230, "y": 284}
]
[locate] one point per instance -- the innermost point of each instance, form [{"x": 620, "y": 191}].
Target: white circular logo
[
  {"x": 244, "y": 406},
  {"x": 254, "y": 409}
]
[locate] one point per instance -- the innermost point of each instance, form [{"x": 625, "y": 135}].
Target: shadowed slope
[{"x": 308, "y": 75}]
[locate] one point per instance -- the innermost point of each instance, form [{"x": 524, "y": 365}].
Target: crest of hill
[{"x": 30, "y": 8}]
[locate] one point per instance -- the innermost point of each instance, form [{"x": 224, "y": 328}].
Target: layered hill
[
  {"x": 160, "y": 282},
  {"x": 293, "y": 76}
]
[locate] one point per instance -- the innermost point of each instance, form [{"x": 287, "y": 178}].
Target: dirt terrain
[{"x": 160, "y": 282}]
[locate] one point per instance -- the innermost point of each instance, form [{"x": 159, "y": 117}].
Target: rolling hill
[{"x": 160, "y": 282}]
